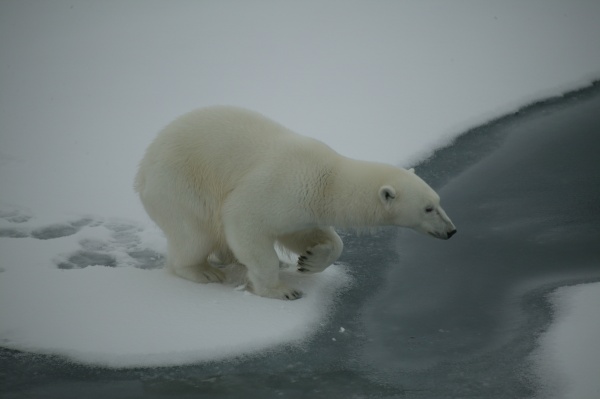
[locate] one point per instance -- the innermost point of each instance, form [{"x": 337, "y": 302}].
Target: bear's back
[
  {"x": 215, "y": 148},
  {"x": 220, "y": 141}
]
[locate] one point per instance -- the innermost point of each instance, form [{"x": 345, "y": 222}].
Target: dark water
[
  {"x": 426, "y": 318},
  {"x": 462, "y": 316}
]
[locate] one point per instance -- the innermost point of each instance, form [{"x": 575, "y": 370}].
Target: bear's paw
[
  {"x": 201, "y": 274},
  {"x": 281, "y": 292},
  {"x": 318, "y": 258}
]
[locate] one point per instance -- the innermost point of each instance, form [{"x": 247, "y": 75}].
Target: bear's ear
[
  {"x": 387, "y": 194},
  {"x": 412, "y": 170}
]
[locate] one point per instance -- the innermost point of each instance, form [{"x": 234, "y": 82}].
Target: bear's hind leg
[
  {"x": 317, "y": 248},
  {"x": 262, "y": 264},
  {"x": 187, "y": 257},
  {"x": 200, "y": 273}
]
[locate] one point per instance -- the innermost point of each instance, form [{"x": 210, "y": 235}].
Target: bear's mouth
[{"x": 442, "y": 236}]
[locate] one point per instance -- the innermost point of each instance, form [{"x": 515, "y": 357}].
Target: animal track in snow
[
  {"x": 14, "y": 216},
  {"x": 60, "y": 229},
  {"x": 17, "y": 226},
  {"x": 122, "y": 246}
]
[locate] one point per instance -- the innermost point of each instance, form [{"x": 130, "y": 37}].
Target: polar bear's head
[{"x": 410, "y": 202}]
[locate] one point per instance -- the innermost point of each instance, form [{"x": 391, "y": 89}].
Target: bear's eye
[{"x": 429, "y": 209}]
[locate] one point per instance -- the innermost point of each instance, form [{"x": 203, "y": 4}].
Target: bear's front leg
[
  {"x": 267, "y": 284},
  {"x": 317, "y": 258},
  {"x": 262, "y": 264},
  {"x": 318, "y": 248}
]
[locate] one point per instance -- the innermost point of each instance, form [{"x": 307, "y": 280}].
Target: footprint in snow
[{"x": 124, "y": 246}]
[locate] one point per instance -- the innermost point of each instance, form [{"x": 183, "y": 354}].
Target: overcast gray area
[{"x": 86, "y": 85}]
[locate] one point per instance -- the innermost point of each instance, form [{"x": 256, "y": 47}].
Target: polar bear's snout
[
  {"x": 437, "y": 224},
  {"x": 449, "y": 230},
  {"x": 443, "y": 236}
]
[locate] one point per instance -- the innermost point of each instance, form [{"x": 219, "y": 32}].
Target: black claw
[
  {"x": 293, "y": 295},
  {"x": 308, "y": 252},
  {"x": 302, "y": 257},
  {"x": 301, "y": 269}
]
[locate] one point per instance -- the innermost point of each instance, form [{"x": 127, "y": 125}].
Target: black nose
[{"x": 451, "y": 233}]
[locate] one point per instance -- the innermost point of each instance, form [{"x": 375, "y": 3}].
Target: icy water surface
[
  {"x": 460, "y": 318},
  {"x": 426, "y": 318}
]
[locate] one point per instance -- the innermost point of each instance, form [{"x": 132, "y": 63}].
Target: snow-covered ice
[
  {"x": 569, "y": 352},
  {"x": 89, "y": 289},
  {"x": 86, "y": 85}
]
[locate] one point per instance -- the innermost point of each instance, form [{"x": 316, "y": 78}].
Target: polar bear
[{"x": 228, "y": 183}]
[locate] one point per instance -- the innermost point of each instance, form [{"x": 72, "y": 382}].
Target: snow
[
  {"x": 567, "y": 359},
  {"x": 86, "y": 85},
  {"x": 128, "y": 316}
]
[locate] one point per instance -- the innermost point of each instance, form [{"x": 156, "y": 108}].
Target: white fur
[{"x": 230, "y": 183}]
